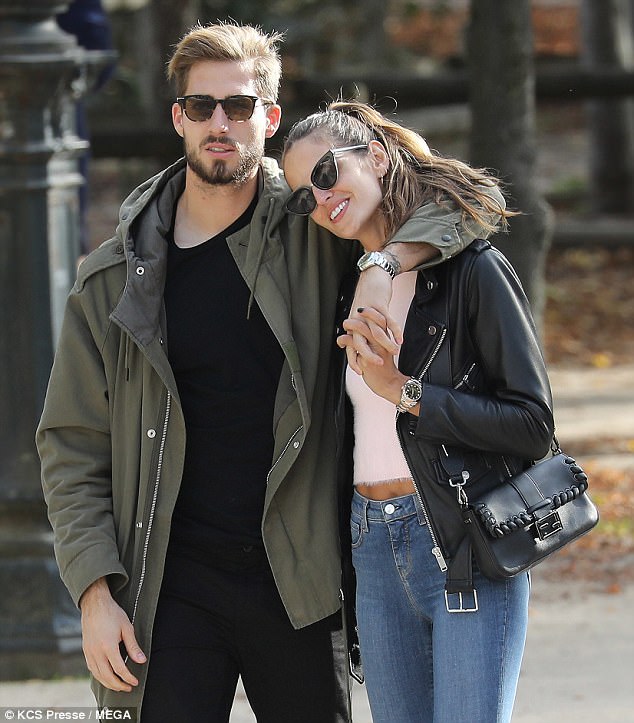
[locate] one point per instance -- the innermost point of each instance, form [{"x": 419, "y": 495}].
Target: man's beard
[{"x": 217, "y": 174}]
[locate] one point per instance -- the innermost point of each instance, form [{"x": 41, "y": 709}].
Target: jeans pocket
[{"x": 356, "y": 533}]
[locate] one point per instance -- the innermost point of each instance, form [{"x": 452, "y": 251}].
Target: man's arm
[
  {"x": 374, "y": 291},
  {"x": 73, "y": 440},
  {"x": 432, "y": 235}
]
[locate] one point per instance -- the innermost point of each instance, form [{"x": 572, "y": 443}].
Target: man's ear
[
  {"x": 273, "y": 118},
  {"x": 177, "y": 118},
  {"x": 380, "y": 159}
]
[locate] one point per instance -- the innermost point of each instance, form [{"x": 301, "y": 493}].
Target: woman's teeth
[{"x": 337, "y": 210}]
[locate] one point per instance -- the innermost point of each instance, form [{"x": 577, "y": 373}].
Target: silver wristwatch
[
  {"x": 411, "y": 393},
  {"x": 376, "y": 258}
]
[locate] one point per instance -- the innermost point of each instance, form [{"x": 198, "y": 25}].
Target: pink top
[{"x": 377, "y": 451}]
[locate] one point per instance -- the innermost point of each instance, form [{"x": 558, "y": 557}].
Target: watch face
[{"x": 412, "y": 390}]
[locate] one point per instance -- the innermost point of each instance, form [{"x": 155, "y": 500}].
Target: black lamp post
[{"x": 41, "y": 71}]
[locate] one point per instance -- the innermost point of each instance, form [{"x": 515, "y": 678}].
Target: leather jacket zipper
[
  {"x": 436, "y": 550},
  {"x": 465, "y": 378},
  {"x": 157, "y": 480}
]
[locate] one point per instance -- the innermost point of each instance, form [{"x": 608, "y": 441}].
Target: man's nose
[{"x": 219, "y": 119}]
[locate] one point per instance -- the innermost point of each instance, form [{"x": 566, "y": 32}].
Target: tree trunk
[
  {"x": 608, "y": 30},
  {"x": 503, "y": 136},
  {"x": 159, "y": 26}
]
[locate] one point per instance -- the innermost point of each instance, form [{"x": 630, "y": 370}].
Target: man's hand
[
  {"x": 374, "y": 291},
  {"x": 372, "y": 299},
  {"x": 104, "y": 626}
]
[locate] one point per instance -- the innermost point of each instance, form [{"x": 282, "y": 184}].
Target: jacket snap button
[
  {"x": 432, "y": 330},
  {"x": 139, "y": 524},
  {"x": 295, "y": 444},
  {"x": 389, "y": 509},
  {"x": 446, "y": 237},
  {"x": 140, "y": 270},
  {"x": 430, "y": 285},
  {"x": 151, "y": 433}
]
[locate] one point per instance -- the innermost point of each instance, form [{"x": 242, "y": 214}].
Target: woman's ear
[{"x": 379, "y": 157}]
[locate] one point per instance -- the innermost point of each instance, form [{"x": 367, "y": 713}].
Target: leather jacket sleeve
[{"x": 501, "y": 400}]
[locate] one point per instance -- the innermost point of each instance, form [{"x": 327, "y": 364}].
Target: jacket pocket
[
  {"x": 455, "y": 465},
  {"x": 470, "y": 378}
]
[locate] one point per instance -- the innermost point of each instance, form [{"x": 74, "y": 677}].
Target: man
[{"x": 187, "y": 440}]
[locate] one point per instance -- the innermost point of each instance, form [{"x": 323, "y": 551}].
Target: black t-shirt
[{"x": 227, "y": 369}]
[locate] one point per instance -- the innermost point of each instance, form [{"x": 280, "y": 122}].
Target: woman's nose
[{"x": 321, "y": 196}]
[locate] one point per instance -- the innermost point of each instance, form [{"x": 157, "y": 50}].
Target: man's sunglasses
[
  {"x": 236, "y": 107},
  {"x": 324, "y": 176}
]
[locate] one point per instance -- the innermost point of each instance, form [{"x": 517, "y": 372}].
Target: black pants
[{"x": 214, "y": 624}]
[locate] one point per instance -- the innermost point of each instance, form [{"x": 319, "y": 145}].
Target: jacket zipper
[
  {"x": 436, "y": 550},
  {"x": 159, "y": 468},
  {"x": 281, "y": 454},
  {"x": 464, "y": 379}
]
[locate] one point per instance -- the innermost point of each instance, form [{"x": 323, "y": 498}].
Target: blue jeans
[{"x": 423, "y": 664}]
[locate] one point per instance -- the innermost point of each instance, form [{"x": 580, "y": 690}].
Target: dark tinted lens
[
  {"x": 324, "y": 173},
  {"x": 301, "y": 202},
  {"x": 239, "y": 107},
  {"x": 199, "y": 109}
]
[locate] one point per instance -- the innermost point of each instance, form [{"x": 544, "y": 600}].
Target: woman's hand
[
  {"x": 382, "y": 378},
  {"x": 371, "y": 303}
]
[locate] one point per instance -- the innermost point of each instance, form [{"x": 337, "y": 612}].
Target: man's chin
[{"x": 217, "y": 175}]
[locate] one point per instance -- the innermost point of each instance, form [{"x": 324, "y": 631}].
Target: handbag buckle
[
  {"x": 461, "y": 607},
  {"x": 548, "y": 525}
]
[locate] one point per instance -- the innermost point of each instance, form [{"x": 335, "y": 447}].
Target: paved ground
[{"x": 579, "y": 661}]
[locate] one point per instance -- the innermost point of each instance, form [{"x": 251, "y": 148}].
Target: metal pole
[{"x": 39, "y": 227}]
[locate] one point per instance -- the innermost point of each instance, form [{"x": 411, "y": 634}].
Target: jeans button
[{"x": 389, "y": 509}]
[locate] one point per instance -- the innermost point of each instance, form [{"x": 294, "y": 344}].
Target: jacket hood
[
  {"x": 152, "y": 203},
  {"x": 145, "y": 218}
]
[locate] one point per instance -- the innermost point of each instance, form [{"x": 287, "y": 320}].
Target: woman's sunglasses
[
  {"x": 324, "y": 175},
  {"x": 236, "y": 107}
]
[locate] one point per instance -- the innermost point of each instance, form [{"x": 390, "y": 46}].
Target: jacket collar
[{"x": 144, "y": 224}]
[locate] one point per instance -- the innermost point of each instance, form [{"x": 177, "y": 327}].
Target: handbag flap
[{"x": 531, "y": 495}]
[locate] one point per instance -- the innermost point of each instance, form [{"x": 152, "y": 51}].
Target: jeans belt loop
[{"x": 366, "y": 504}]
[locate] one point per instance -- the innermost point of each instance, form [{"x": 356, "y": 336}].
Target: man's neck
[{"x": 204, "y": 211}]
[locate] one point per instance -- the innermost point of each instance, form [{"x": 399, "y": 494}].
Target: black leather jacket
[{"x": 470, "y": 337}]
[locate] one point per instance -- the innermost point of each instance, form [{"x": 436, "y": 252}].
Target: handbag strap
[
  {"x": 460, "y": 570},
  {"x": 459, "y": 578}
]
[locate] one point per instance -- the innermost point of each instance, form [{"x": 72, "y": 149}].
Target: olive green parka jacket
[{"x": 112, "y": 433}]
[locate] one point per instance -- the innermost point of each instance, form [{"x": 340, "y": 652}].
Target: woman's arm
[{"x": 514, "y": 419}]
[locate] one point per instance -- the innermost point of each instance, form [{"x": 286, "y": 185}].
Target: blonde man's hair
[{"x": 232, "y": 42}]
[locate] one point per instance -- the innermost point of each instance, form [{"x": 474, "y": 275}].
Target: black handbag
[{"x": 529, "y": 516}]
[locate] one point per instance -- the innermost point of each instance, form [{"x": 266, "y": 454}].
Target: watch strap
[{"x": 376, "y": 258}]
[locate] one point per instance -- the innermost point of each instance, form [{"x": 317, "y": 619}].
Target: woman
[{"x": 439, "y": 642}]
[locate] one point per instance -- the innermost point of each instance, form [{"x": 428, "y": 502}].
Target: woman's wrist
[{"x": 394, "y": 389}]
